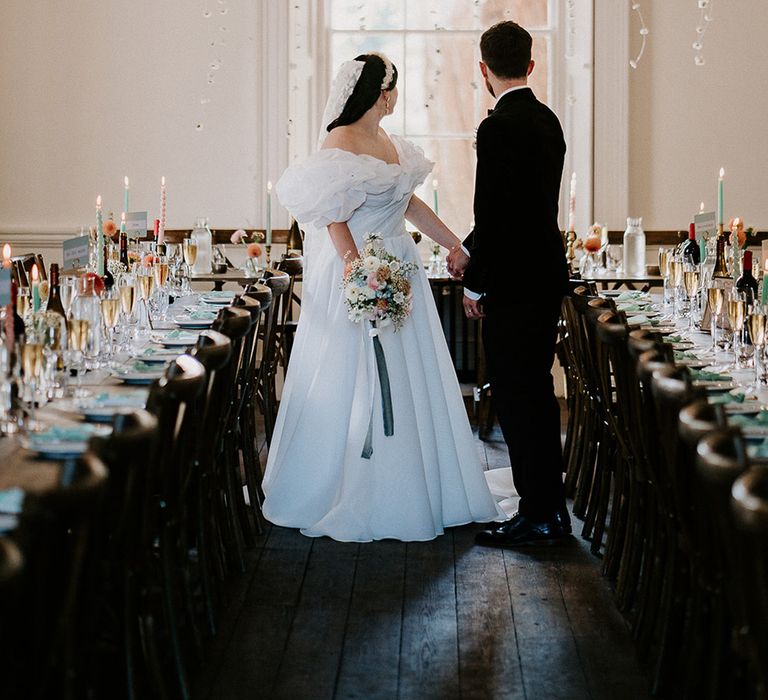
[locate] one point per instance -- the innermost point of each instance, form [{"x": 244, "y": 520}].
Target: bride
[{"x": 426, "y": 476}]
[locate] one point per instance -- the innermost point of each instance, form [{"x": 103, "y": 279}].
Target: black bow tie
[{"x": 490, "y": 112}]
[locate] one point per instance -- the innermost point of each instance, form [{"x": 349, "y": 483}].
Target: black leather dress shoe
[
  {"x": 564, "y": 520},
  {"x": 521, "y": 531}
]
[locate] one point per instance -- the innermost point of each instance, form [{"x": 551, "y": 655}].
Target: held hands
[{"x": 457, "y": 262}]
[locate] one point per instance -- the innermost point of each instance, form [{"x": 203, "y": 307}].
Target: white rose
[
  {"x": 370, "y": 263},
  {"x": 394, "y": 266},
  {"x": 399, "y": 298}
]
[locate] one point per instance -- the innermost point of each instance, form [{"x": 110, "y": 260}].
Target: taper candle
[
  {"x": 572, "y": 205},
  {"x": 122, "y": 222},
  {"x": 269, "y": 213},
  {"x": 720, "y": 219},
  {"x": 126, "y": 188},
  {"x": 99, "y": 238},
  {"x": 35, "y": 289},
  {"x": 7, "y": 255},
  {"x": 163, "y": 210},
  {"x": 434, "y": 193}
]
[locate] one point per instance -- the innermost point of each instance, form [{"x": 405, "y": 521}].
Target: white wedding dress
[{"x": 425, "y": 477}]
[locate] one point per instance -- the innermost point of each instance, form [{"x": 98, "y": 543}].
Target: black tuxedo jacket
[{"x": 516, "y": 245}]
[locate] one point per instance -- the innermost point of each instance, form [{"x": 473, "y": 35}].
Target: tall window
[{"x": 442, "y": 95}]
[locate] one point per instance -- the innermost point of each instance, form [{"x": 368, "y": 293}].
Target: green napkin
[
  {"x": 638, "y": 320},
  {"x": 674, "y": 339},
  {"x": 130, "y": 400},
  {"x": 760, "y": 450},
  {"x": 685, "y": 356},
  {"x": 57, "y": 433},
  {"x": 220, "y": 295},
  {"x": 180, "y": 335},
  {"x": 727, "y": 398},
  {"x": 632, "y": 308},
  {"x": 704, "y": 376},
  {"x": 744, "y": 421},
  {"x": 631, "y": 295}
]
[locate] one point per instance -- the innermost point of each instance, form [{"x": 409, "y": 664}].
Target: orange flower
[
  {"x": 253, "y": 250},
  {"x": 150, "y": 259},
  {"x": 381, "y": 304},
  {"x": 110, "y": 228},
  {"x": 383, "y": 274}
]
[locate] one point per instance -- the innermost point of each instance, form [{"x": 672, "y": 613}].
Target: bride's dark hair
[{"x": 366, "y": 92}]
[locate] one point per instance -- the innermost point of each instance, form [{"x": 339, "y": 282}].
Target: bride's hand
[{"x": 457, "y": 262}]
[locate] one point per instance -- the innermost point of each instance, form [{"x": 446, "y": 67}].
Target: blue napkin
[
  {"x": 760, "y": 420},
  {"x": 11, "y": 501},
  {"x": 58, "y": 433}
]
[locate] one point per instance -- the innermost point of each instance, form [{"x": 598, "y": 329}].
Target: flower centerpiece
[
  {"x": 253, "y": 250},
  {"x": 376, "y": 286}
]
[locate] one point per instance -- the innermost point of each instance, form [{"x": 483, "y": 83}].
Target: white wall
[
  {"x": 93, "y": 90},
  {"x": 687, "y": 121}
]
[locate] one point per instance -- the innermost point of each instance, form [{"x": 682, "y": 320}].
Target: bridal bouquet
[{"x": 376, "y": 286}]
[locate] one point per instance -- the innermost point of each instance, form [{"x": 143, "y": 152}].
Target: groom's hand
[
  {"x": 457, "y": 262},
  {"x": 472, "y": 308}
]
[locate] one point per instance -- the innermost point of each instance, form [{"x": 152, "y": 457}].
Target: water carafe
[
  {"x": 634, "y": 248},
  {"x": 201, "y": 235}
]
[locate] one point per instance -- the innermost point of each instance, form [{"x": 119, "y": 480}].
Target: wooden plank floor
[{"x": 316, "y": 619}]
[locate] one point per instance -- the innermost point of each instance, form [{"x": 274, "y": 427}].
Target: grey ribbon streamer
[{"x": 386, "y": 400}]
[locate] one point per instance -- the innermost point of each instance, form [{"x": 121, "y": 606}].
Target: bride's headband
[{"x": 342, "y": 88}]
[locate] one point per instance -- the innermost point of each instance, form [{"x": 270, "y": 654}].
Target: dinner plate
[
  {"x": 693, "y": 364},
  {"x": 754, "y": 431},
  {"x": 194, "y": 323},
  {"x": 138, "y": 373},
  {"x": 715, "y": 385},
  {"x": 156, "y": 355},
  {"x": 218, "y": 298},
  {"x": 174, "y": 339},
  {"x": 682, "y": 345},
  {"x": 103, "y": 407},
  {"x": 56, "y": 442},
  {"x": 745, "y": 407}
]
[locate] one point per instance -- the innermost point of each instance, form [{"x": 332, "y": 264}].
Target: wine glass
[
  {"x": 77, "y": 343},
  {"x": 715, "y": 297},
  {"x": 23, "y": 302},
  {"x": 32, "y": 368},
  {"x": 189, "y": 248},
  {"x": 737, "y": 311},
  {"x": 664, "y": 257},
  {"x": 110, "y": 312},
  {"x": 67, "y": 292},
  {"x": 160, "y": 271},
  {"x": 146, "y": 280},
  {"x": 126, "y": 288},
  {"x": 691, "y": 284},
  {"x": 756, "y": 326},
  {"x": 675, "y": 280}
]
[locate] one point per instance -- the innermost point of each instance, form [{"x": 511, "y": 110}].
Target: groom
[{"x": 515, "y": 276}]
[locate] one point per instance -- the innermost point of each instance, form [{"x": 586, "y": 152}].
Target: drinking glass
[
  {"x": 664, "y": 256},
  {"x": 110, "y": 313},
  {"x": 32, "y": 368},
  {"x": 23, "y": 302},
  {"x": 737, "y": 311},
  {"x": 146, "y": 282},
  {"x": 675, "y": 281},
  {"x": 756, "y": 325},
  {"x": 189, "y": 248},
  {"x": 67, "y": 292},
  {"x": 715, "y": 297},
  {"x": 691, "y": 284}
]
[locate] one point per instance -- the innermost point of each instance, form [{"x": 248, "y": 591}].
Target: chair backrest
[{"x": 11, "y": 561}]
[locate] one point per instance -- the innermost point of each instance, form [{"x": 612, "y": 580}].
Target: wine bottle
[
  {"x": 295, "y": 240},
  {"x": 747, "y": 283},
  {"x": 721, "y": 267},
  {"x": 109, "y": 280},
  {"x": 691, "y": 250},
  {"x": 124, "y": 250},
  {"x": 54, "y": 293}
]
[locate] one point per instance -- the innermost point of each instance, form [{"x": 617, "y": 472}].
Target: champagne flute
[
  {"x": 737, "y": 311},
  {"x": 664, "y": 257},
  {"x": 756, "y": 325},
  {"x": 675, "y": 265},
  {"x": 715, "y": 298},
  {"x": 22, "y": 302},
  {"x": 67, "y": 292},
  {"x": 78, "y": 343},
  {"x": 691, "y": 284},
  {"x": 189, "y": 250},
  {"x": 110, "y": 312},
  {"x": 32, "y": 366}
]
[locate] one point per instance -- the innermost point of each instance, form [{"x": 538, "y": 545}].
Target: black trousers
[{"x": 520, "y": 350}]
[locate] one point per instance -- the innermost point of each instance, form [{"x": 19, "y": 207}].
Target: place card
[
  {"x": 76, "y": 251},
  {"x": 136, "y": 223},
  {"x": 705, "y": 224},
  {"x": 5, "y": 286}
]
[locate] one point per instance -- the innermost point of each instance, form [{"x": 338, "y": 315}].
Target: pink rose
[
  {"x": 238, "y": 236},
  {"x": 373, "y": 281}
]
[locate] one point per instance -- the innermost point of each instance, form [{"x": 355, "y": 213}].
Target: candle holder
[
  {"x": 268, "y": 256},
  {"x": 570, "y": 253}
]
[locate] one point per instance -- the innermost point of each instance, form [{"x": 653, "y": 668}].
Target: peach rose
[
  {"x": 382, "y": 305},
  {"x": 238, "y": 236},
  {"x": 373, "y": 281},
  {"x": 253, "y": 250},
  {"x": 383, "y": 273},
  {"x": 110, "y": 229}
]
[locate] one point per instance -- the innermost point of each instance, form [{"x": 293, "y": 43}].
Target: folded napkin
[
  {"x": 632, "y": 308},
  {"x": 674, "y": 339},
  {"x": 685, "y": 356},
  {"x": 744, "y": 421},
  {"x": 727, "y": 398},
  {"x": 760, "y": 450},
  {"x": 179, "y": 334},
  {"x": 11, "y": 501},
  {"x": 58, "y": 433},
  {"x": 139, "y": 366},
  {"x": 130, "y": 400},
  {"x": 219, "y": 295},
  {"x": 630, "y": 295},
  {"x": 704, "y": 376},
  {"x": 638, "y": 320},
  {"x": 201, "y": 315}
]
